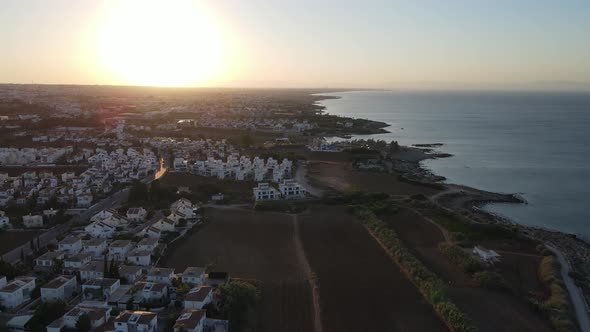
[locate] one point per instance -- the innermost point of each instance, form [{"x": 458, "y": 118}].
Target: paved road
[
  {"x": 115, "y": 199},
  {"x": 575, "y": 293}
]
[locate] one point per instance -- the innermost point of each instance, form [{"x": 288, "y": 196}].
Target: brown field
[
  {"x": 253, "y": 246},
  {"x": 11, "y": 240},
  {"x": 339, "y": 176},
  {"x": 360, "y": 288},
  {"x": 510, "y": 312},
  {"x": 203, "y": 187}
]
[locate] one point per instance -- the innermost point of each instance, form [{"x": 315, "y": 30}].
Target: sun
[{"x": 160, "y": 43}]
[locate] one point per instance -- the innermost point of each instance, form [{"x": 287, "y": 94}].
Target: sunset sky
[{"x": 303, "y": 43}]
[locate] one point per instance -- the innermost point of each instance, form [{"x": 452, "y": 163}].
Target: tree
[
  {"x": 38, "y": 243},
  {"x": 83, "y": 324},
  {"x": 105, "y": 266},
  {"x": 238, "y": 300},
  {"x": 46, "y": 313},
  {"x": 22, "y": 255}
]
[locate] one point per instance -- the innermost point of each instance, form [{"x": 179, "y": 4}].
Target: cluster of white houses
[
  {"x": 76, "y": 190},
  {"x": 97, "y": 275},
  {"x": 32, "y": 156},
  {"x": 288, "y": 189},
  {"x": 107, "y": 222},
  {"x": 237, "y": 168}
]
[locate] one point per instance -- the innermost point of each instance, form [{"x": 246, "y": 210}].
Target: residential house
[
  {"x": 140, "y": 257},
  {"x": 70, "y": 245},
  {"x": 136, "y": 321},
  {"x": 265, "y": 192},
  {"x": 99, "y": 289},
  {"x": 161, "y": 275},
  {"x": 19, "y": 323},
  {"x": 98, "y": 313},
  {"x": 198, "y": 297},
  {"x": 190, "y": 320},
  {"x": 75, "y": 262},
  {"x": 30, "y": 221},
  {"x": 95, "y": 247},
  {"x": 136, "y": 214},
  {"x": 16, "y": 292},
  {"x": 291, "y": 189},
  {"x": 148, "y": 244},
  {"x": 100, "y": 229},
  {"x": 48, "y": 260},
  {"x": 165, "y": 225},
  {"x": 93, "y": 270},
  {"x": 193, "y": 276},
  {"x": 60, "y": 288},
  {"x": 130, "y": 273},
  {"x": 152, "y": 292},
  {"x": 119, "y": 249}
]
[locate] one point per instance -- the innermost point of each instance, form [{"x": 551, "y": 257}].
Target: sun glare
[{"x": 160, "y": 43}]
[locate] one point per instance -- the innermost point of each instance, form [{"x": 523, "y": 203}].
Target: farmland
[
  {"x": 253, "y": 245},
  {"x": 360, "y": 288}
]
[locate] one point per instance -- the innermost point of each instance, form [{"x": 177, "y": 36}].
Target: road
[
  {"x": 113, "y": 200},
  {"x": 576, "y": 295}
]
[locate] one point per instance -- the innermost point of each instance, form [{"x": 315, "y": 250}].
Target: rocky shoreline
[{"x": 471, "y": 202}]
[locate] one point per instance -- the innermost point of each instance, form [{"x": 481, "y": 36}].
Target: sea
[{"x": 535, "y": 144}]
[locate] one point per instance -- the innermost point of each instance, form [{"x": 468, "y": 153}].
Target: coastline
[{"x": 471, "y": 202}]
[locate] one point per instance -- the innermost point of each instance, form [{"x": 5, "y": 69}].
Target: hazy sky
[{"x": 371, "y": 43}]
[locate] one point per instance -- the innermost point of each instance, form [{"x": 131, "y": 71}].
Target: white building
[
  {"x": 148, "y": 244},
  {"x": 291, "y": 189},
  {"x": 136, "y": 214},
  {"x": 152, "y": 292},
  {"x": 100, "y": 289},
  {"x": 193, "y": 276},
  {"x": 190, "y": 320},
  {"x": 48, "y": 259},
  {"x": 140, "y": 257},
  {"x": 161, "y": 275},
  {"x": 93, "y": 270},
  {"x": 16, "y": 292},
  {"x": 100, "y": 229},
  {"x": 76, "y": 262},
  {"x": 95, "y": 247},
  {"x": 60, "y": 288},
  {"x": 70, "y": 245},
  {"x": 265, "y": 192},
  {"x": 119, "y": 249},
  {"x": 30, "y": 221},
  {"x": 198, "y": 297},
  {"x": 486, "y": 255},
  {"x": 136, "y": 321}
]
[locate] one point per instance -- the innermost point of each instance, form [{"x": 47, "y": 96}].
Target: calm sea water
[{"x": 535, "y": 144}]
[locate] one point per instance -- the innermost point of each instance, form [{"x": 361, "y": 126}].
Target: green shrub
[
  {"x": 557, "y": 307},
  {"x": 458, "y": 256}
]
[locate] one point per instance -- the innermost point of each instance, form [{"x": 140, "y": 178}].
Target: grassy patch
[{"x": 557, "y": 307}]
